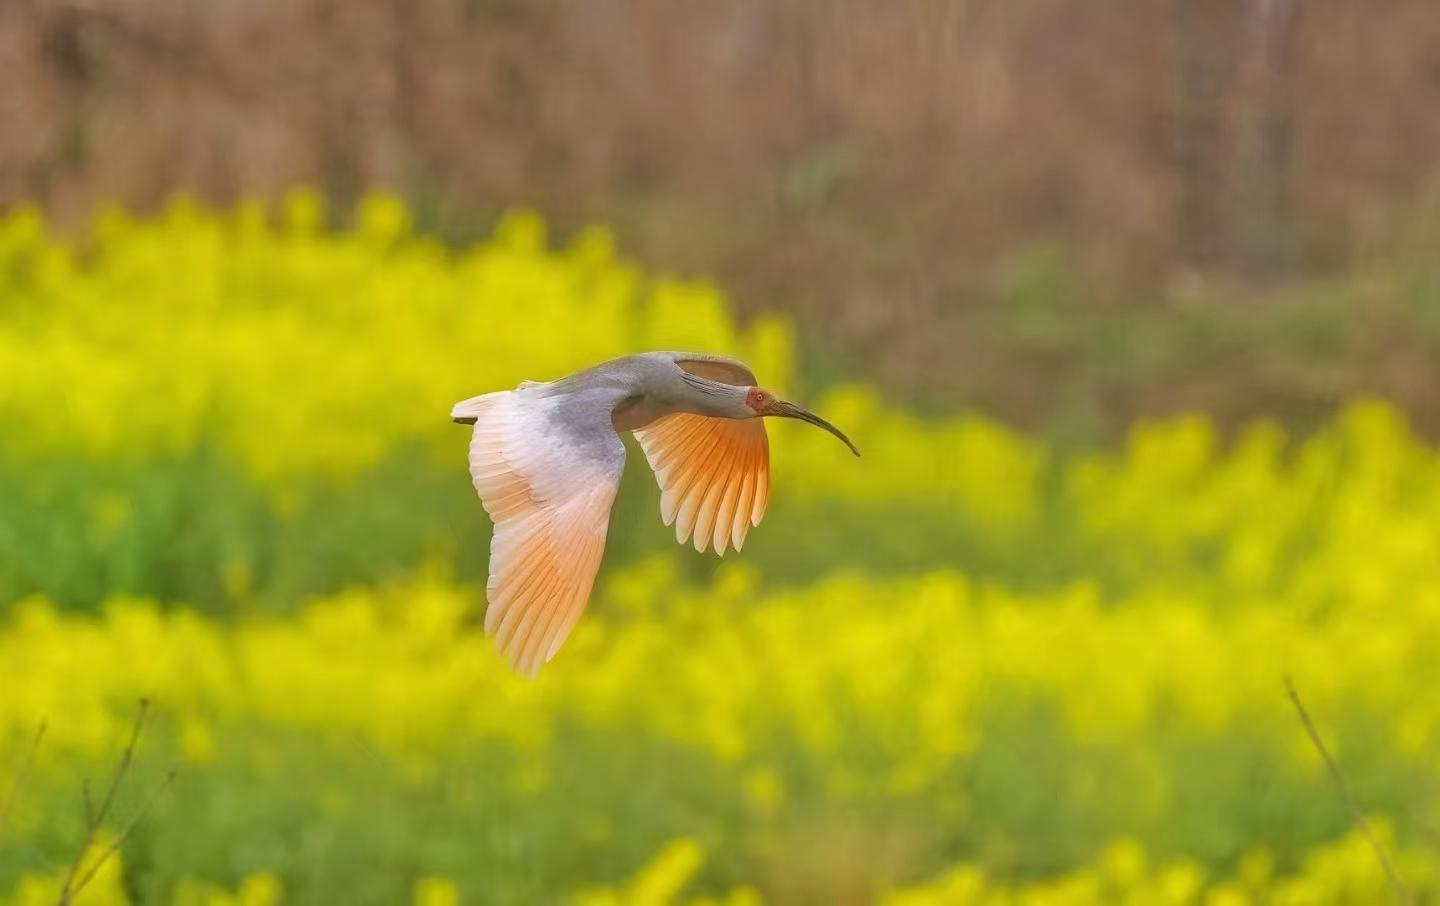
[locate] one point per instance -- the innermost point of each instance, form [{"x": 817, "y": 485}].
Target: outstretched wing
[
  {"x": 546, "y": 469},
  {"x": 714, "y": 476},
  {"x": 716, "y": 367}
]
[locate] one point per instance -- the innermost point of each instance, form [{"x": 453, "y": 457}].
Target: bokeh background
[{"x": 1135, "y": 313}]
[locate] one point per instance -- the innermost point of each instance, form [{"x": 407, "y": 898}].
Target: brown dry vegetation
[{"x": 874, "y": 167}]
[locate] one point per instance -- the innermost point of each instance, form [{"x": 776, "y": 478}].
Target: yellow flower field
[
  {"x": 305, "y": 352},
  {"x": 971, "y": 667}
]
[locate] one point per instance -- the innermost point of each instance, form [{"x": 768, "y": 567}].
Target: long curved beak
[{"x": 790, "y": 410}]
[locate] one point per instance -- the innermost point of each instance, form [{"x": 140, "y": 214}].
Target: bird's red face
[
  {"x": 759, "y": 400},
  {"x": 762, "y": 402}
]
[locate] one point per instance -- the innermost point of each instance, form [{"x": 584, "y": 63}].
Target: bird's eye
[{"x": 758, "y": 399}]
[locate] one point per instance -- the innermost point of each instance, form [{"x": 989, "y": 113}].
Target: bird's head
[{"x": 762, "y": 402}]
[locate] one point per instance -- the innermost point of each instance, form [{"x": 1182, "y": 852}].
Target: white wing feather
[{"x": 547, "y": 472}]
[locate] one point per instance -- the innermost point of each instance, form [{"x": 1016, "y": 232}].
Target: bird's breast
[{"x": 636, "y": 412}]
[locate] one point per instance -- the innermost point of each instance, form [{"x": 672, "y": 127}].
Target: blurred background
[
  {"x": 892, "y": 174},
  {"x": 1135, "y": 315}
]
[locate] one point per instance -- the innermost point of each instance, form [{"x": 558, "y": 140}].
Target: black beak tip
[{"x": 790, "y": 410}]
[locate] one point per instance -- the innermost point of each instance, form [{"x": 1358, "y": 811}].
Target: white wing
[{"x": 546, "y": 469}]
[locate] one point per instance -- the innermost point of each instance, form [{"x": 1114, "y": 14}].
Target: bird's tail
[{"x": 466, "y": 412}]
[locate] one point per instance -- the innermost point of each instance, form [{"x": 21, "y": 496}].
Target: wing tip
[{"x": 467, "y": 411}]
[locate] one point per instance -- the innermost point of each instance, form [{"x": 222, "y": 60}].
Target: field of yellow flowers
[{"x": 969, "y": 668}]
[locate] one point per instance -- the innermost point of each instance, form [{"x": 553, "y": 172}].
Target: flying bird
[{"x": 546, "y": 460}]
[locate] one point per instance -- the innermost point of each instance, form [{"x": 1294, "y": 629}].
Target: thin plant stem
[
  {"x": 22, "y": 773},
  {"x": 79, "y": 873},
  {"x": 1397, "y": 886}
]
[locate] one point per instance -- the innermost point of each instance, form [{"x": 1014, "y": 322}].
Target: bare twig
[
  {"x": 22, "y": 773},
  {"x": 1397, "y": 886},
  {"x": 125, "y": 758},
  {"x": 80, "y": 874},
  {"x": 115, "y": 844}
]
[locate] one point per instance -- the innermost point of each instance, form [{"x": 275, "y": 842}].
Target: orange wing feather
[
  {"x": 714, "y": 476},
  {"x": 551, "y": 509}
]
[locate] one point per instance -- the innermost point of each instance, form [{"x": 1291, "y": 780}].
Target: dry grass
[
  {"x": 937, "y": 134},
  {"x": 869, "y": 166}
]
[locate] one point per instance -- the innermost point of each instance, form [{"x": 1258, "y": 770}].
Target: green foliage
[{"x": 972, "y": 666}]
